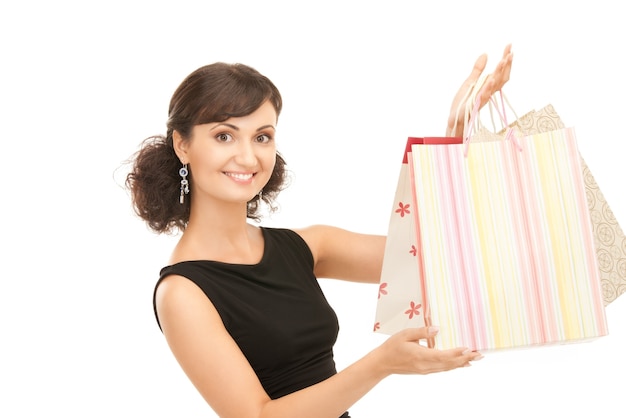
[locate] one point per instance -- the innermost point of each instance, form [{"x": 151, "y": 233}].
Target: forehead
[
  {"x": 262, "y": 118},
  {"x": 264, "y": 115}
]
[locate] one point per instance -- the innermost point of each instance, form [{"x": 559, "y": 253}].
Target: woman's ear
[{"x": 180, "y": 147}]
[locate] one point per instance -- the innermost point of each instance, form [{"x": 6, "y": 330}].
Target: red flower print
[
  {"x": 381, "y": 289},
  {"x": 413, "y": 250},
  {"x": 414, "y": 310},
  {"x": 376, "y": 326},
  {"x": 403, "y": 209}
]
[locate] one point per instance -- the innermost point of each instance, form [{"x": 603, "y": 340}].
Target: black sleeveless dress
[{"x": 274, "y": 310}]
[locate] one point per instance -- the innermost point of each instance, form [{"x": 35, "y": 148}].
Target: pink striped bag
[{"x": 492, "y": 242}]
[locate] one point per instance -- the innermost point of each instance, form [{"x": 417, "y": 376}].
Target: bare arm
[
  {"x": 341, "y": 254},
  {"x": 221, "y": 373}
]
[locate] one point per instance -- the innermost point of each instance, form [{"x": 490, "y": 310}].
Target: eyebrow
[{"x": 236, "y": 128}]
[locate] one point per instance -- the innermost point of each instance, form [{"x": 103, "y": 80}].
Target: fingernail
[
  {"x": 433, "y": 330},
  {"x": 478, "y": 358}
]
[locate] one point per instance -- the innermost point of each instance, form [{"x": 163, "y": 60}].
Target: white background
[{"x": 82, "y": 83}]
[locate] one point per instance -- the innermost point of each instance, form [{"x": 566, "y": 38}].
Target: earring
[{"x": 184, "y": 183}]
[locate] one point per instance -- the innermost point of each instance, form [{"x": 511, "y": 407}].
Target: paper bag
[
  {"x": 493, "y": 245},
  {"x": 610, "y": 241}
]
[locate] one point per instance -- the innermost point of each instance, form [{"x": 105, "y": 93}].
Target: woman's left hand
[{"x": 493, "y": 83}]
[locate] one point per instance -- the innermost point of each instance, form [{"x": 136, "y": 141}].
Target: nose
[{"x": 245, "y": 155}]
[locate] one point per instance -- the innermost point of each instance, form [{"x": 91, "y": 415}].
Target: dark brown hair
[{"x": 213, "y": 93}]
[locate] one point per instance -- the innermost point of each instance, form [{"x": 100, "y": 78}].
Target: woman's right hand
[
  {"x": 402, "y": 353},
  {"x": 494, "y": 83}
]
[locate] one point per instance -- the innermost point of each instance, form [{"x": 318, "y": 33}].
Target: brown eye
[{"x": 223, "y": 137}]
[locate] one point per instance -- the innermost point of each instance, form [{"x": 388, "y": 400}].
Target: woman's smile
[{"x": 240, "y": 177}]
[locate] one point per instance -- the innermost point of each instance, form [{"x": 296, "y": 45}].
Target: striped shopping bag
[{"x": 492, "y": 242}]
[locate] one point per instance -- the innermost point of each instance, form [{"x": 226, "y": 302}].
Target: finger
[
  {"x": 507, "y": 50},
  {"x": 505, "y": 66},
  {"x": 464, "y": 356},
  {"x": 416, "y": 334},
  {"x": 496, "y": 80},
  {"x": 503, "y": 69},
  {"x": 508, "y": 66},
  {"x": 487, "y": 90},
  {"x": 471, "y": 355},
  {"x": 477, "y": 69},
  {"x": 454, "y": 358},
  {"x": 467, "y": 85}
]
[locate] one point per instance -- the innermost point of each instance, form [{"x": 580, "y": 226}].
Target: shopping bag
[
  {"x": 400, "y": 303},
  {"x": 609, "y": 238},
  {"x": 493, "y": 243}
]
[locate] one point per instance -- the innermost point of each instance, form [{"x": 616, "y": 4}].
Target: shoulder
[
  {"x": 311, "y": 234},
  {"x": 178, "y": 300},
  {"x": 296, "y": 237},
  {"x": 173, "y": 290},
  {"x": 318, "y": 236},
  {"x": 288, "y": 242}
]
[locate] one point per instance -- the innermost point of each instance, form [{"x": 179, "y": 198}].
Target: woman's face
[{"x": 231, "y": 161}]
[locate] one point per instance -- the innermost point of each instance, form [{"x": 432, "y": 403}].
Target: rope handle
[{"x": 472, "y": 114}]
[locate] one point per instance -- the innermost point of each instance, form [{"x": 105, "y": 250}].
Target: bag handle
[
  {"x": 472, "y": 114},
  {"x": 470, "y": 101}
]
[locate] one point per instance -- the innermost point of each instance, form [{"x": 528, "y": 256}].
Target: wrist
[{"x": 376, "y": 363}]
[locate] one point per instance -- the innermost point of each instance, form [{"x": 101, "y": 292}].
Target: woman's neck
[{"x": 220, "y": 233}]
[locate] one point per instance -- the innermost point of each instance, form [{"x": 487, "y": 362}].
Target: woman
[{"x": 239, "y": 304}]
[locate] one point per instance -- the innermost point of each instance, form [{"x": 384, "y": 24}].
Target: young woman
[{"x": 239, "y": 304}]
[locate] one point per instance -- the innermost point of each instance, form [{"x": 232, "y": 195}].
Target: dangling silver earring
[{"x": 184, "y": 183}]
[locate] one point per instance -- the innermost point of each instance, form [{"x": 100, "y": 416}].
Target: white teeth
[{"x": 240, "y": 176}]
